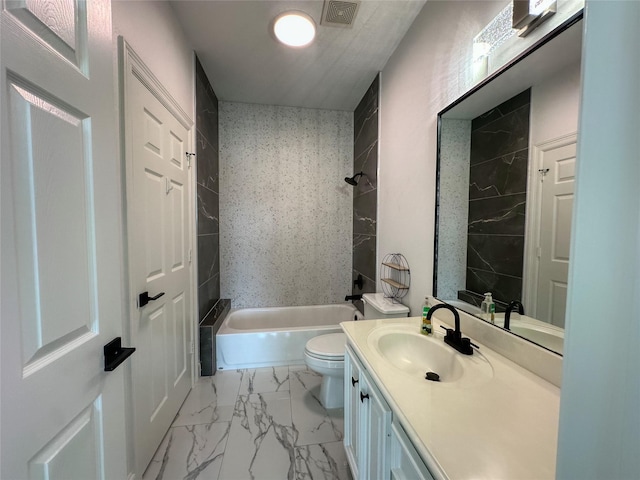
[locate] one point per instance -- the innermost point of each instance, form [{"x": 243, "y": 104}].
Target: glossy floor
[{"x": 254, "y": 424}]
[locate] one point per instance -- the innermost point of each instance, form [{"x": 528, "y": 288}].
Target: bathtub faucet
[{"x": 353, "y": 297}]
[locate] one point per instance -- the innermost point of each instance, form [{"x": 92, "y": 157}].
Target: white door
[
  {"x": 62, "y": 414},
  {"x": 156, "y": 141},
  {"x": 558, "y": 164}
]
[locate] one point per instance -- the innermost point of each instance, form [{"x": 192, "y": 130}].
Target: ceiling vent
[{"x": 339, "y": 14}]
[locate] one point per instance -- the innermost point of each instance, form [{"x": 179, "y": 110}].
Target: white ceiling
[{"x": 245, "y": 63}]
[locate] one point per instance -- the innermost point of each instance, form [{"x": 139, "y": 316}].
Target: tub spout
[{"x": 353, "y": 297}]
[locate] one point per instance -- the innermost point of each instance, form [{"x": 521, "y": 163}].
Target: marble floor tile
[
  {"x": 254, "y": 424},
  {"x": 326, "y": 461},
  {"x": 191, "y": 452},
  {"x": 263, "y": 380},
  {"x": 212, "y": 399},
  {"x": 312, "y": 421},
  {"x": 261, "y": 440}
]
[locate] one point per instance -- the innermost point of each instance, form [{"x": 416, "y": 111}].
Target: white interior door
[
  {"x": 558, "y": 164},
  {"x": 157, "y": 141},
  {"x": 62, "y": 415}
]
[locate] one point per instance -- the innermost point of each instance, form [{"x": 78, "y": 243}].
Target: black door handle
[
  {"x": 353, "y": 382},
  {"x": 363, "y": 396},
  {"x": 115, "y": 354},
  {"x": 144, "y": 298}
]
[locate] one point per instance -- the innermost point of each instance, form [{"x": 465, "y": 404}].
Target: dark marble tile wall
[
  {"x": 497, "y": 201},
  {"x": 365, "y": 203},
  {"x": 208, "y": 329},
  {"x": 207, "y": 162}
]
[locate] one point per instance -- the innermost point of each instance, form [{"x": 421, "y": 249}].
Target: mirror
[{"x": 506, "y": 163}]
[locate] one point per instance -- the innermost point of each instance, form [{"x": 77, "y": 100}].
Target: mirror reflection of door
[{"x": 556, "y": 177}]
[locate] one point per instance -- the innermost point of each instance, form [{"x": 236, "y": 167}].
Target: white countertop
[{"x": 504, "y": 428}]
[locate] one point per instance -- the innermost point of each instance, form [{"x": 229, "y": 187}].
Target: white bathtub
[{"x": 265, "y": 337}]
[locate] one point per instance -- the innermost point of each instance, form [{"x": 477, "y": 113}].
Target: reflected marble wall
[
  {"x": 365, "y": 194},
  {"x": 497, "y": 199}
]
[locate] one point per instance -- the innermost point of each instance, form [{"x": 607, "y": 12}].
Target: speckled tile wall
[
  {"x": 285, "y": 210},
  {"x": 455, "y": 148}
]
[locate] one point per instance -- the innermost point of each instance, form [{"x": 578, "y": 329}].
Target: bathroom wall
[
  {"x": 555, "y": 106},
  {"x": 285, "y": 210},
  {"x": 599, "y": 428},
  {"x": 497, "y": 199},
  {"x": 148, "y": 25},
  {"x": 432, "y": 66},
  {"x": 365, "y": 194}
]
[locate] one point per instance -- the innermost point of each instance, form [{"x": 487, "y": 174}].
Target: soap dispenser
[
  {"x": 488, "y": 308},
  {"x": 426, "y": 327}
]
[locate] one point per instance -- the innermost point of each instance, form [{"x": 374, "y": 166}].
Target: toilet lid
[{"x": 331, "y": 345}]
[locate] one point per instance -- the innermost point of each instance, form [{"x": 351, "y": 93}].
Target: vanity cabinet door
[
  {"x": 351, "y": 410},
  {"x": 375, "y": 416},
  {"x": 405, "y": 463}
]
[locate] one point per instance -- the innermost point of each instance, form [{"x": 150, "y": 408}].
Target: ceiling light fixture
[{"x": 295, "y": 29}]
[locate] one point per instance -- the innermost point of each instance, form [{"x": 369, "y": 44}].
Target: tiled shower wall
[
  {"x": 208, "y": 191},
  {"x": 212, "y": 309},
  {"x": 497, "y": 199},
  {"x": 365, "y": 194},
  {"x": 286, "y": 221}
]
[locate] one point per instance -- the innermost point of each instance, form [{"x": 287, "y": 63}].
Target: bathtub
[{"x": 265, "y": 337}]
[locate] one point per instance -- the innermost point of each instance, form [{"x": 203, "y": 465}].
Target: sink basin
[{"x": 415, "y": 354}]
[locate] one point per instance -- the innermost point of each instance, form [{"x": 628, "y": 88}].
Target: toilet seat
[
  {"x": 325, "y": 355},
  {"x": 328, "y": 347}
]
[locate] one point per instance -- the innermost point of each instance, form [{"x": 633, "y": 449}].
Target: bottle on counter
[
  {"x": 426, "y": 328},
  {"x": 488, "y": 308}
]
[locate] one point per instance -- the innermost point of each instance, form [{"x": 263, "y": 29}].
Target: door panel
[
  {"x": 41, "y": 209},
  {"x": 61, "y": 244},
  {"x": 73, "y": 451},
  {"x": 153, "y": 218},
  {"x": 177, "y": 203},
  {"x": 180, "y": 338},
  {"x": 61, "y": 24}
]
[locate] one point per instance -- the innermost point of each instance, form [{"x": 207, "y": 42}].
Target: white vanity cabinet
[
  {"x": 404, "y": 461},
  {"x": 375, "y": 450}
]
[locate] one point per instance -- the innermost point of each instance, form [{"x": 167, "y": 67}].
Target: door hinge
[
  {"x": 192, "y": 348},
  {"x": 189, "y": 155},
  {"x": 539, "y": 252},
  {"x": 543, "y": 173},
  {"x": 190, "y": 256}
]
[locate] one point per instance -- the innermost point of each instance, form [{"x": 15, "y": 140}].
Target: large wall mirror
[{"x": 506, "y": 165}]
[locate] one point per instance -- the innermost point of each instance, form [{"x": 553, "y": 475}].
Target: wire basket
[{"x": 395, "y": 276}]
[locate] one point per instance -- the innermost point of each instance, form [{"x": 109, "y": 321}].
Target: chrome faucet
[
  {"x": 454, "y": 336},
  {"x": 507, "y": 315}
]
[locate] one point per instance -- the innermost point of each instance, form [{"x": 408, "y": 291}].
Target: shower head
[{"x": 352, "y": 180}]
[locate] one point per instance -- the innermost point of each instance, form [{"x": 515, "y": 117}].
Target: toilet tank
[{"x": 377, "y": 306}]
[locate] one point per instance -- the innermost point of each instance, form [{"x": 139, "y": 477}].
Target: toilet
[{"x": 324, "y": 354}]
